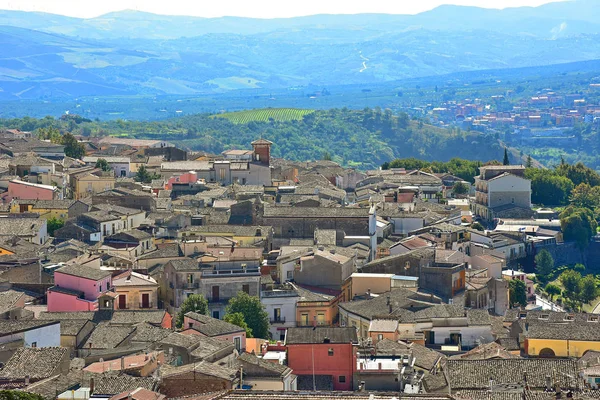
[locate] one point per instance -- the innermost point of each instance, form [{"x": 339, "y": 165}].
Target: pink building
[
  {"x": 79, "y": 288},
  {"x": 188, "y": 177},
  {"x": 199, "y": 324},
  {"x": 31, "y": 191}
]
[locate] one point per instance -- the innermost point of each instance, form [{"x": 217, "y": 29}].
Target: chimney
[
  {"x": 123, "y": 363},
  {"x": 548, "y": 383},
  {"x": 368, "y": 293},
  {"x": 91, "y": 385},
  {"x": 26, "y": 380}
]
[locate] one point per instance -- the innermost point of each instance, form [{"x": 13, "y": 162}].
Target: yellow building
[
  {"x": 46, "y": 209},
  {"x": 135, "y": 291},
  {"x": 571, "y": 337},
  {"x": 87, "y": 184}
]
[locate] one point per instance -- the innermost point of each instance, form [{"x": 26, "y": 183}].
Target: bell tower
[{"x": 262, "y": 151}]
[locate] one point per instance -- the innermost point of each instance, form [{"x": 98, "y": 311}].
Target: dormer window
[
  {"x": 522, "y": 315},
  {"x": 569, "y": 317},
  {"x": 593, "y": 318},
  {"x": 544, "y": 316}
]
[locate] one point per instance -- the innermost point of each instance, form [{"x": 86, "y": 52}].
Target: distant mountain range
[{"x": 46, "y": 56}]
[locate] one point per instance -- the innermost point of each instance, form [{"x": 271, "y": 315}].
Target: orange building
[{"x": 317, "y": 306}]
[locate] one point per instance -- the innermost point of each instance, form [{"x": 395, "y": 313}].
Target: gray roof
[
  {"x": 311, "y": 295},
  {"x": 237, "y": 230},
  {"x": 8, "y": 299},
  {"x": 424, "y": 358},
  {"x": 84, "y": 272},
  {"x": 113, "y": 383},
  {"x": 107, "y": 336},
  {"x": 100, "y": 216},
  {"x": 163, "y": 251},
  {"x": 148, "y": 333},
  {"x": 313, "y": 335},
  {"x": 35, "y": 362},
  {"x": 209, "y": 346},
  {"x": 181, "y": 340},
  {"x": 20, "y": 226},
  {"x": 212, "y": 326},
  {"x": 72, "y": 327},
  {"x": 563, "y": 331},
  {"x": 184, "y": 264},
  {"x": 314, "y": 212},
  {"x": 270, "y": 368},
  {"x": 404, "y": 305},
  {"x": 206, "y": 368},
  {"x": 10, "y": 327},
  {"x": 476, "y": 374},
  {"x": 54, "y": 204},
  {"x": 124, "y": 317}
]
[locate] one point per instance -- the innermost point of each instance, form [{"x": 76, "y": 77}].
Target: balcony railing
[
  {"x": 278, "y": 320},
  {"x": 149, "y": 305},
  {"x": 230, "y": 272}
]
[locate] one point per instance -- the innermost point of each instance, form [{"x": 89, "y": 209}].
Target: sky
[{"x": 248, "y": 8}]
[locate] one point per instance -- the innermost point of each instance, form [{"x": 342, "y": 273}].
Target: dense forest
[{"x": 358, "y": 138}]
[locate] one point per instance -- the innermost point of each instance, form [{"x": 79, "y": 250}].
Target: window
[
  {"x": 222, "y": 174},
  {"x": 238, "y": 343},
  {"x": 215, "y": 314},
  {"x": 190, "y": 278},
  {"x": 33, "y": 344},
  {"x": 304, "y": 319},
  {"x": 190, "y": 325},
  {"x": 330, "y": 352},
  {"x": 380, "y": 337},
  {"x": 246, "y": 289},
  {"x": 341, "y": 379},
  {"x": 320, "y": 318}
]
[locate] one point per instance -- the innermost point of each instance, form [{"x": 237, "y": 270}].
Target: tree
[
  {"x": 506, "y": 161},
  {"x": 517, "y": 293},
  {"x": 579, "y": 268},
  {"x": 552, "y": 290},
  {"x": 253, "y": 311},
  {"x": 571, "y": 281},
  {"x": 103, "y": 165},
  {"x": 588, "y": 289},
  {"x": 544, "y": 264},
  {"x": 529, "y": 162},
  {"x": 326, "y": 156},
  {"x": 585, "y": 196},
  {"x": 18, "y": 395},
  {"x": 460, "y": 188},
  {"x": 547, "y": 187},
  {"x": 578, "y": 225},
  {"x": 144, "y": 176},
  {"x": 53, "y": 224},
  {"x": 196, "y": 303},
  {"x": 477, "y": 226},
  {"x": 73, "y": 148},
  {"x": 238, "y": 319}
]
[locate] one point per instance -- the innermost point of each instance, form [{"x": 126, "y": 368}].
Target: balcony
[
  {"x": 223, "y": 273},
  {"x": 278, "y": 320},
  {"x": 149, "y": 305}
]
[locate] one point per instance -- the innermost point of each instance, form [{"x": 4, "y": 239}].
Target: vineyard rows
[{"x": 265, "y": 115}]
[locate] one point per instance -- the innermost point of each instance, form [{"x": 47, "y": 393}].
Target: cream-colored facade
[
  {"x": 89, "y": 184},
  {"x": 135, "y": 291}
]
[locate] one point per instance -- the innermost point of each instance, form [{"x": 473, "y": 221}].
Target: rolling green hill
[{"x": 364, "y": 139}]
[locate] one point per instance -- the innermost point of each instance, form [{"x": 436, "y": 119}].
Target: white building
[{"x": 280, "y": 304}]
